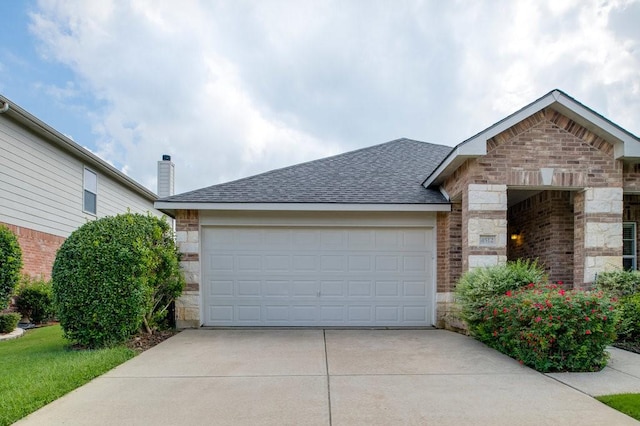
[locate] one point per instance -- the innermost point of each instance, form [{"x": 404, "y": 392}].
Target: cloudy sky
[{"x": 234, "y": 88}]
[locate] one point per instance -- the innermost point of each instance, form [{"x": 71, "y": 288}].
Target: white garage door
[{"x": 318, "y": 276}]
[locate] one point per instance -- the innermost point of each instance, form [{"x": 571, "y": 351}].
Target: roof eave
[
  {"x": 171, "y": 207},
  {"x": 52, "y": 135},
  {"x": 626, "y": 145}
]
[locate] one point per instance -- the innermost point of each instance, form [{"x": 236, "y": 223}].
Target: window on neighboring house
[
  {"x": 90, "y": 191},
  {"x": 629, "y": 246}
]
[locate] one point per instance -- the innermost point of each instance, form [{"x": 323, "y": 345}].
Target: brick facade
[
  {"x": 544, "y": 226},
  {"x": 38, "y": 250},
  {"x": 548, "y": 153}
]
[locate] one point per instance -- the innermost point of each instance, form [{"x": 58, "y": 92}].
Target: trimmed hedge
[
  {"x": 114, "y": 274},
  {"x": 10, "y": 265}
]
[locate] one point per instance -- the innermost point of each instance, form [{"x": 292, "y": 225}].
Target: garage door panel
[
  {"x": 221, "y": 288},
  {"x": 304, "y": 288},
  {"x": 360, "y": 288},
  {"x": 305, "y": 263},
  {"x": 414, "y": 289},
  {"x": 248, "y": 288},
  {"x": 317, "y": 276}
]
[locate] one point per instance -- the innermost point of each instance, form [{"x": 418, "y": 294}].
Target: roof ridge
[{"x": 297, "y": 165}]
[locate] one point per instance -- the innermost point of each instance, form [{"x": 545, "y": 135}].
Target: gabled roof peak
[{"x": 626, "y": 144}]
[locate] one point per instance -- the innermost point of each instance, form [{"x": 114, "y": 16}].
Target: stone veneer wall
[
  {"x": 38, "y": 250},
  {"x": 546, "y": 231},
  {"x": 188, "y": 240},
  {"x": 602, "y": 231}
]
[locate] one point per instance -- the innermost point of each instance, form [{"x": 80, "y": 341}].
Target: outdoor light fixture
[{"x": 515, "y": 236}]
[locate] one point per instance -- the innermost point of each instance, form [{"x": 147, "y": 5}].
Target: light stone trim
[
  {"x": 191, "y": 271},
  {"x": 487, "y": 197},
  {"x": 445, "y": 296},
  {"x": 603, "y": 235},
  {"x": 187, "y": 237},
  {"x": 477, "y": 227},
  {"x": 188, "y": 310},
  {"x": 596, "y": 264},
  {"x": 482, "y": 261},
  {"x": 603, "y": 200}
]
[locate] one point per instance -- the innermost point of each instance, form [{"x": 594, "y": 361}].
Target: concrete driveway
[{"x": 324, "y": 377}]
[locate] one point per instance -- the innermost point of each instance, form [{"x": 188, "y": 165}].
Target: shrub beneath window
[
  {"x": 10, "y": 265},
  {"x": 624, "y": 285},
  {"x": 550, "y": 329},
  {"x": 629, "y": 325},
  {"x": 619, "y": 283},
  {"x": 35, "y": 300},
  {"x": 8, "y": 322},
  {"x": 113, "y": 275},
  {"x": 480, "y": 286}
]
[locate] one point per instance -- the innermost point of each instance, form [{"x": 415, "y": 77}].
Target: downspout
[{"x": 5, "y": 108}]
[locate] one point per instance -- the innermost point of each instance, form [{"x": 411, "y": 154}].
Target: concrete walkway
[{"x": 332, "y": 377}]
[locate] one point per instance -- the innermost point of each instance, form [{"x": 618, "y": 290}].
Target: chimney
[{"x": 165, "y": 177}]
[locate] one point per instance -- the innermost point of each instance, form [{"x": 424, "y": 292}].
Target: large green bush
[
  {"x": 114, "y": 274},
  {"x": 478, "y": 287},
  {"x": 550, "y": 329},
  {"x": 10, "y": 265},
  {"x": 34, "y": 300}
]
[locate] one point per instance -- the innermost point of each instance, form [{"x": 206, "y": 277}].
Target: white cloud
[{"x": 232, "y": 88}]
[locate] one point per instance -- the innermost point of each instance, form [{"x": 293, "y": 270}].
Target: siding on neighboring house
[
  {"x": 42, "y": 186},
  {"x": 42, "y": 189}
]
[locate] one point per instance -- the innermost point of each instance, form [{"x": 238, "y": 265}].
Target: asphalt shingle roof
[{"x": 389, "y": 173}]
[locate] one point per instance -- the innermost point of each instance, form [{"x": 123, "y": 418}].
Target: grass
[
  {"x": 628, "y": 403},
  {"x": 40, "y": 367}
]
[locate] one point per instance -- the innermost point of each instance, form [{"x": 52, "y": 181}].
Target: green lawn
[
  {"x": 39, "y": 368},
  {"x": 628, "y": 403}
]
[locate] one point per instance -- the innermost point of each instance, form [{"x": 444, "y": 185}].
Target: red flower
[
  {"x": 538, "y": 319},
  {"x": 587, "y": 319},
  {"x": 508, "y": 293},
  {"x": 561, "y": 292},
  {"x": 587, "y": 332},
  {"x": 560, "y": 282}
]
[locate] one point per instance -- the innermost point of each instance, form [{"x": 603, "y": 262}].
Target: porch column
[
  {"x": 598, "y": 233},
  {"x": 484, "y": 226}
]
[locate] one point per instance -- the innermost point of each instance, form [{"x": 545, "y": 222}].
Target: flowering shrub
[{"x": 550, "y": 329}]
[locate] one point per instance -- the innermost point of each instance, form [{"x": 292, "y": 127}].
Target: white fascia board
[
  {"x": 172, "y": 206},
  {"x": 626, "y": 145}
]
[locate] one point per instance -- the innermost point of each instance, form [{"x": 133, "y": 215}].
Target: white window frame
[
  {"x": 88, "y": 188},
  {"x": 634, "y": 255}
]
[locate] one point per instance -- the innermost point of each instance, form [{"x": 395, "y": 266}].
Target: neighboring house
[
  {"x": 380, "y": 236},
  {"x": 50, "y": 185}
]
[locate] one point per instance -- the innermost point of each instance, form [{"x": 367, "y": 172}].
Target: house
[
  {"x": 380, "y": 236},
  {"x": 50, "y": 185}
]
